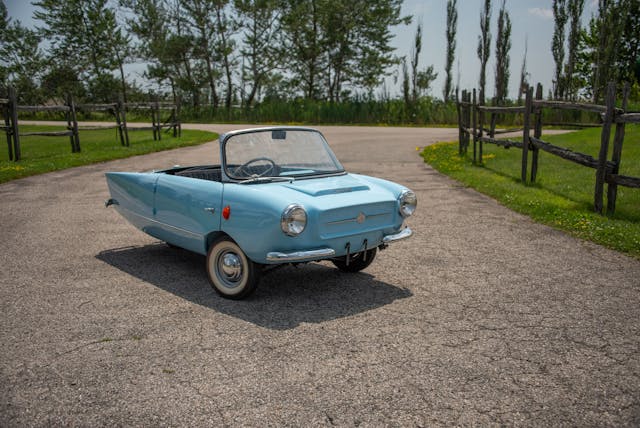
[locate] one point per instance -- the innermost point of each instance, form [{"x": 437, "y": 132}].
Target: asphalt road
[{"x": 482, "y": 318}]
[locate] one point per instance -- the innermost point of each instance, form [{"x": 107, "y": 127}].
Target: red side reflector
[{"x": 226, "y": 212}]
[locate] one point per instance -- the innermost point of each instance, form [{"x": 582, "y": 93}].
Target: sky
[{"x": 532, "y": 20}]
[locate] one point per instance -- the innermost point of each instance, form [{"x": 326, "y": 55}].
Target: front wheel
[
  {"x": 231, "y": 274},
  {"x": 357, "y": 261}
]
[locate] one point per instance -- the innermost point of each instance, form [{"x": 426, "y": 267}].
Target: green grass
[
  {"x": 562, "y": 196},
  {"x": 45, "y": 154}
]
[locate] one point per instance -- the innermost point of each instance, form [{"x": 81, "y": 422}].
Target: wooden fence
[
  {"x": 10, "y": 110},
  {"x": 471, "y": 124}
]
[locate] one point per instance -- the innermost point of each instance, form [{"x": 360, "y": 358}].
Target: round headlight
[
  {"x": 294, "y": 220},
  {"x": 408, "y": 202}
]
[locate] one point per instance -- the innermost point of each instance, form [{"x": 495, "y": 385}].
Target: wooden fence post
[
  {"x": 174, "y": 120},
  {"x": 13, "y": 111},
  {"x": 155, "y": 118},
  {"x": 178, "y": 102},
  {"x": 601, "y": 171},
  {"x": 468, "y": 122},
  {"x": 537, "y": 133},
  {"x": 123, "y": 112},
  {"x": 121, "y": 120},
  {"x": 494, "y": 120},
  {"x": 459, "y": 108},
  {"x": 474, "y": 112},
  {"x": 481, "y": 126},
  {"x": 72, "y": 125},
  {"x": 116, "y": 112},
  {"x": 616, "y": 157},
  {"x": 6, "y": 115},
  {"x": 525, "y": 134}
]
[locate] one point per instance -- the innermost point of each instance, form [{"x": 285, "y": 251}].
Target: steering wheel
[{"x": 242, "y": 169}]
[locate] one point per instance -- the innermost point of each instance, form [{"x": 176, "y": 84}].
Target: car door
[{"x": 187, "y": 210}]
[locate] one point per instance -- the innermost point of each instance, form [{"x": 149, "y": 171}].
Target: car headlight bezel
[
  {"x": 407, "y": 202},
  {"x": 293, "y": 220}
]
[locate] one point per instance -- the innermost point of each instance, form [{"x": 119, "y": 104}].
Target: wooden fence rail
[
  {"x": 607, "y": 171},
  {"x": 10, "y": 109}
]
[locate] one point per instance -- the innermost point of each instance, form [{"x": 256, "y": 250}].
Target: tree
[
  {"x": 503, "y": 46},
  {"x": 557, "y": 44},
  {"x": 575, "y": 8},
  {"x": 452, "y": 24},
  {"x": 260, "y": 45},
  {"x": 21, "y": 60},
  {"x": 227, "y": 26},
  {"x": 484, "y": 45},
  {"x": 303, "y": 42},
  {"x": 419, "y": 82},
  {"x": 609, "y": 28},
  {"x": 608, "y": 48},
  {"x": 629, "y": 54},
  {"x": 425, "y": 79},
  {"x": 406, "y": 85},
  {"x": 374, "y": 56},
  {"x": 166, "y": 44},
  {"x": 415, "y": 59},
  {"x": 524, "y": 75},
  {"x": 84, "y": 35},
  {"x": 333, "y": 43},
  {"x": 200, "y": 16}
]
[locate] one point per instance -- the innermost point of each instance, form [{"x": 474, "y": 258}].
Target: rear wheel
[
  {"x": 231, "y": 273},
  {"x": 357, "y": 261}
]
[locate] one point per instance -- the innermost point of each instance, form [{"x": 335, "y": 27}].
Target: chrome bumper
[
  {"x": 300, "y": 256},
  {"x": 403, "y": 234},
  {"x": 324, "y": 253}
]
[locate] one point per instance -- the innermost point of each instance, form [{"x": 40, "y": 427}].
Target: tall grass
[{"x": 353, "y": 112}]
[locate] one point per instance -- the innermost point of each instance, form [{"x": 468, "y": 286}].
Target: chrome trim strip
[
  {"x": 198, "y": 235},
  {"x": 299, "y": 256},
  {"x": 403, "y": 234},
  {"x": 349, "y": 220}
]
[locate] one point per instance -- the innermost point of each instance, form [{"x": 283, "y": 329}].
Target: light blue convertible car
[{"x": 279, "y": 196}]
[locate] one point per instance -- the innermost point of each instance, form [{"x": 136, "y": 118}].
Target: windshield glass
[{"x": 278, "y": 153}]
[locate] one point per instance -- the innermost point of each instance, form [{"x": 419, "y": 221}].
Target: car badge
[{"x": 361, "y": 217}]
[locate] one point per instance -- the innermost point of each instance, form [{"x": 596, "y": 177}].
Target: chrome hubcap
[{"x": 230, "y": 269}]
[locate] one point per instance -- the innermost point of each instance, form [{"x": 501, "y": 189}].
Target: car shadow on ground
[{"x": 285, "y": 298}]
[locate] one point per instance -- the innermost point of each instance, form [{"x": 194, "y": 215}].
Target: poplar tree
[
  {"x": 524, "y": 81},
  {"x": 484, "y": 45},
  {"x": 503, "y": 46},
  {"x": 557, "y": 45},
  {"x": 452, "y": 24},
  {"x": 629, "y": 56},
  {"x": 610, "y": 32},
  {"x": 415, "y": 59},
  {"x": 575, "y": 8}
]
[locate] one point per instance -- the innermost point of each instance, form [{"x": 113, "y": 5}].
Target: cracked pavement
[{"x": 482, "y": 318}]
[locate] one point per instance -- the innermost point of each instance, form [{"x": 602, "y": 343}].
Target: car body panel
[
  {"x": 346, "y": 213},
  {"x": 332, "y": 215}
]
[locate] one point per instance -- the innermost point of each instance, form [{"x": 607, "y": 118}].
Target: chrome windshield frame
[{"x": 224, "y": 139}]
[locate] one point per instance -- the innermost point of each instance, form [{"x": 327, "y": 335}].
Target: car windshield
[{"x": 286, "y": 153}]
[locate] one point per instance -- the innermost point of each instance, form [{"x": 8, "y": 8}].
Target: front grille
[{"x": 356, "y": 219}]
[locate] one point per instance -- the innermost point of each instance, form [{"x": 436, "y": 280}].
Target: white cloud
[{"x": 540, "y": 12}]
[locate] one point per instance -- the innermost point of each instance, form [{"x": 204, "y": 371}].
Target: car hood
[{"x": 329, "y": 186}]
